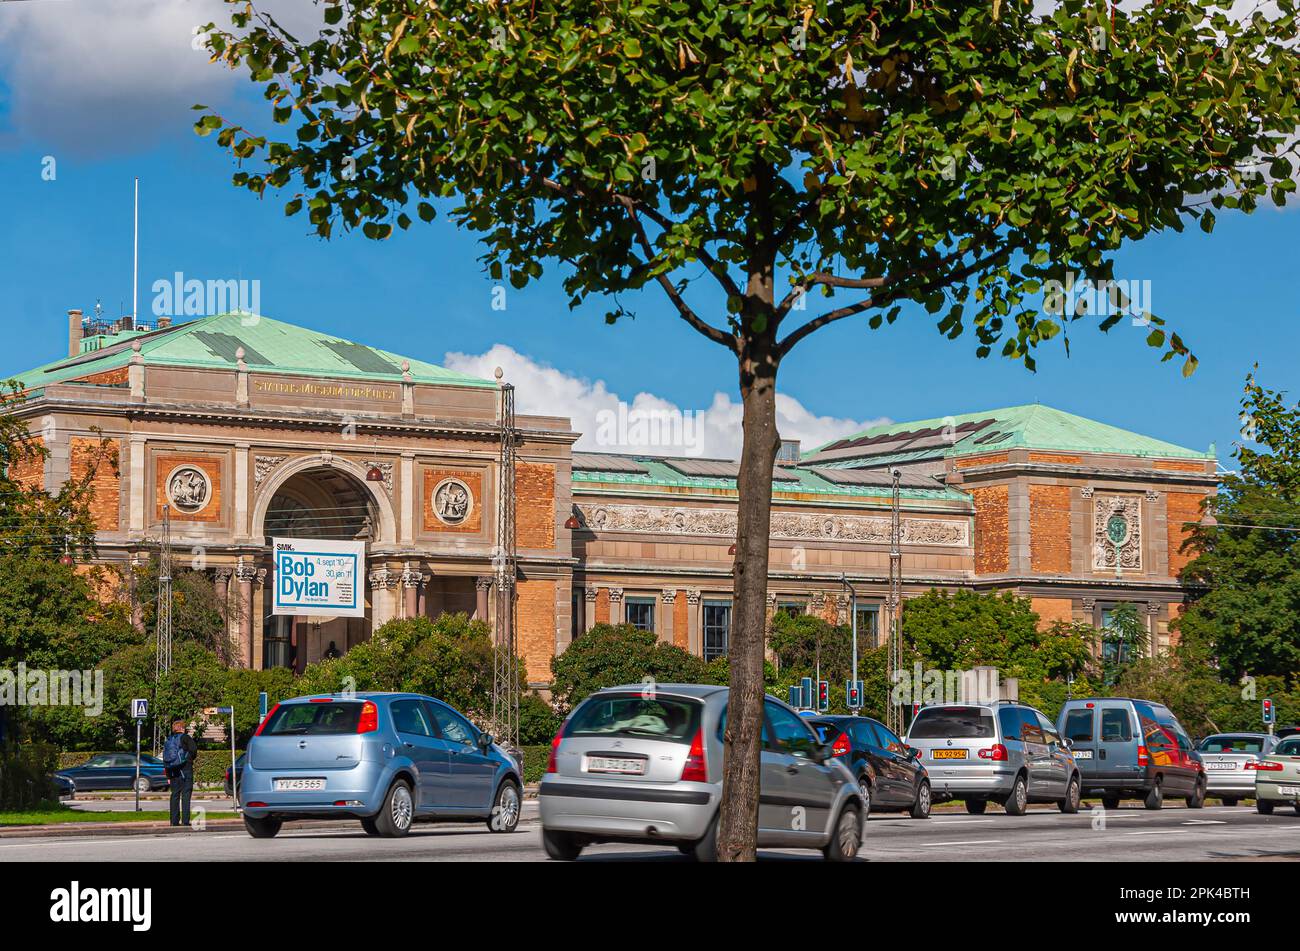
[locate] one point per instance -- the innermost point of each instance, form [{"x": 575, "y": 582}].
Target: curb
[{"x": 68, "y": 829}]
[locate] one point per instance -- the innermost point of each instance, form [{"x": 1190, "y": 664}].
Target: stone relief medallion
[
  {"x": 1117, "y": 533},
  {"x": 188, "y": 489},
  {"x": 452, "y": 502}
]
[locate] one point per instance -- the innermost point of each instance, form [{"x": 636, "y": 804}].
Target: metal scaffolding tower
[
  {"x": 505, "y": 674},
  {"x": 162, "y": 621},
  {"x": 894, "y": 712}
]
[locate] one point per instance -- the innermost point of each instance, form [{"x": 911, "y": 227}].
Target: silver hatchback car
[{"x": 635, "y": 764}]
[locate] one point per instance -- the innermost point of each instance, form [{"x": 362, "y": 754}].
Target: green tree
[
  {"x": 198, "y": 613},
  {"x": 950, "y": 156},
  {"x": 1123, "y": 640},
  {"x": 613, "y": 654},
  {"x": 1245, "y": 578}
]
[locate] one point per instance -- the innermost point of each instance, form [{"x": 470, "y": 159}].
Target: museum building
[{"x": 239, "y": 428}]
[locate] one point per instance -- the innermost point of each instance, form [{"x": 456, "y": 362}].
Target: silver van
[
  {"x": 1005, "y": 752},
  {"x": 1132, "y": 749},
  {"x": 641, "y": 764}
]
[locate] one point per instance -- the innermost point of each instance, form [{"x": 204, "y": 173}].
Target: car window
[
  {"x": 1049, "y": 731},
  {"x": 934, "y": 723},
  {"x": 1155, "y": 735},
  {"x": 98, "y": 762},
  {"x": 1012, "y": 723},
  {"x": 1078, "y": 726},
  {"x": 1232, "y": 744},
  {"x": 790, "y": 731},
  {"x": 124, "y": 759},
  {"x": 722, "y": 729},
  {"x": 1031, "y": 732},
  {"x": 1116, "y": 727},
  {"x": 308, "y": 719},
  {"x": 409, "y": 716},
  {"x": 888, "y": 740},
  {"x": 453, "y": 727},
  {"x": 1288, "y": 747},
  {"x": 865, "y": 732},
  {"x": 651, "y": 716}
]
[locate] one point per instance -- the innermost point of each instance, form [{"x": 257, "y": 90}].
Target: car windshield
[
  {"x": 1232, "y": 744},
  {"x": 311, "y": 719},
  {"x": 662, "y": 718},
  {"x": 934, "y": 723}
]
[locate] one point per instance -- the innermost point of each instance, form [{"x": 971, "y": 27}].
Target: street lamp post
[{"x": 853, "y": 622}]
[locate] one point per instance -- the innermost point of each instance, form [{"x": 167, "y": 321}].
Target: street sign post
[
  {"x": 139, "y": 711},
  {"x": 234, "y": 773}
]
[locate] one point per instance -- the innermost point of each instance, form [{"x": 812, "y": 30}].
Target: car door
[
  {"x": 470, "y": 770},
  {"x": 1037, "y": 760},
  {"x": 1116, "y": 744},
  {"x": 1078, "y": 725},
  {"x": 93, "y": 773},
  {"x": 1058, "y": 762},
  {"x": 895, "y": 766},
  {"x": 809, "y": 788},
  {"x": 418, "y": 737}
]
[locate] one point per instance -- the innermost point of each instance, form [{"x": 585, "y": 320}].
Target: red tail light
[
  {"x": 1144, "y": 756},
  {"x": 265, "y": 720},
  {"x": 1266, "y": 767},
  {"x": 995, "y": 752},
  {"x": 369, "y": 720},
  {"x": 696, "y": 769},
  {"x": 551, "y": 765},
  {"x": 841, "y": 746}
]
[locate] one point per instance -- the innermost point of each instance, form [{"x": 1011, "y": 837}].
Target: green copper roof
[
  {"x": 270, "y": 346},
  {"x": 659, "y": 474},
  {"x": 1033, "y": 426}
]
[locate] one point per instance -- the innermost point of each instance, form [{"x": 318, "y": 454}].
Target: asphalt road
[{"x": 1174, "y": 834}]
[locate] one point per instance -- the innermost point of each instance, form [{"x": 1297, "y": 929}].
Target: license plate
[
  {"x": 1220, "y": 766},
  {"x": 296, "y": 785},
  {"x": 949, "y": 754},
  {"x": 1289, "y": 790},
  {"x": 610, "y": 764},
  {"x": 1082, "y": 754}
]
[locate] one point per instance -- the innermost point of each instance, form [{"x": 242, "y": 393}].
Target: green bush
[
  {"x": 613, "y": 654},
  {"x": 25, "y": 770},
  {"x": 535, "y": 758},
  {"x": 538, "y": 721},
  {"x": 209, "y": 768}
]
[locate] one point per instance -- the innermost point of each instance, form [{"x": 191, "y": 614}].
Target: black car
[
  {"x": 117, "y": 771},
  {"x": 64, "y": 786},
  {"x": 239, "y": 775},
  {"x": 888, "y": 772}
]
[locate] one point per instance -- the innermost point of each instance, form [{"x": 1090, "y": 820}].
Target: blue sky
[{"x": 67, "y": 242}]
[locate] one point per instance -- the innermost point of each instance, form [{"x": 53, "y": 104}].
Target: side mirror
[
  {"x": 822, "y": 752},
  {"x": 485, "y": 741},
  {"x": 1065, "y": 741},
  {"x": 913, "y": 753}
]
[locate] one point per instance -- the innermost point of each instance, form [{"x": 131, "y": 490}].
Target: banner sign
[{"x": 314, "y": 577}]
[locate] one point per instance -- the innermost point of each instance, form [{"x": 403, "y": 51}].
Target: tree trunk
[{"x": 738, "y": 823}]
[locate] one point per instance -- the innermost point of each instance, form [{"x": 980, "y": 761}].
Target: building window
[
  {"x": 792, "y": 608},
  {"x": 640, "y": 613},
  {"x": 869, "y": 625},
  {"x": 717, "y": 628}
]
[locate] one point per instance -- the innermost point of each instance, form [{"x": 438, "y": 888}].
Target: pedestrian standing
[{"x": 179, "y": 753}]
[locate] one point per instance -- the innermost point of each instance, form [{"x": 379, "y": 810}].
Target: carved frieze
[
  {"x": 262, "y": 467},
  {"x": 721, "y": 523},
  {"x": 1117, "y": 531}
]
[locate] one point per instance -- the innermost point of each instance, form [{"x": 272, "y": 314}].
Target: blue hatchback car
[{"x": 388, "y": 759}]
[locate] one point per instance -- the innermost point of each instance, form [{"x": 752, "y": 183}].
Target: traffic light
[
  {"x": 805, "y": 693},
  {"x": 823, "y": 695},
  {"x": 854, "y": 690},
  {"x": 794, "y": 696},
  {"x": 1270, "y": 712}
]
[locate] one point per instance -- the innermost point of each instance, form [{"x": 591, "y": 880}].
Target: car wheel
[
  {"x": 706, "y": 850},
  {"x": 394, "y": 819},
  {"x": 1155, "y": 797},
  {"x": 847, "y": 836},
  {"x": 1263, "y": 807},
  {"x": 266, "y": 828},
  {"x": 370, "y": 827},
  {"x": 1230, "y": 802},
  {"x": 976, "y": 807},
  {"x": 142, "y": 785},
  {"x": 1070, "y": 804},
  {"x": 921, "y": 804},
  {"x": 1110, "y": 802},
  {"x": 1197, "y": 799},
  {"x": 561, "y": 846},
  {"x": 506, "y": 809},
  {"x": 864, "y": 787},
  {"x": 1018, "y": 801},
  {"x": 1296, "y": 807}
]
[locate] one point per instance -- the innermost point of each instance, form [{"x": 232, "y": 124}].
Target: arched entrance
[{"x": 323, "y": 499}]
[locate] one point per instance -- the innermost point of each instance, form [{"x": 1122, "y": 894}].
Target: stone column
[
  {"x": 482, "y": 585},
  {"x": 422, "y": 603},
  {"x": 693, "y": 622},
  {"x": 411, "y": 581},
  {"x": 616, "y": 615},
  {"x": 241, "y": 490},
  {"x": 410, "y": 504},
  {"x": 383, "y": 585},
  {"x": 664, "y": 620},
  {"x": 139, "y": 492},
  {"x": 222, "y": 578},
  {"x": 246, "y": 574},
  {"x": 589, "y": 608}
]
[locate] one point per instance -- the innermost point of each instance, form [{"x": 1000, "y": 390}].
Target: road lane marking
[{"x": 935, "y": 845}]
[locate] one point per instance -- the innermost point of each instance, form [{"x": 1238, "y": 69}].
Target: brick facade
[
  {"x": 1049, "y": 529},
  {"x": 102, "y": 464},
  {"x": 1052, "y": 609},
  {"x": 534, "y": 505},
  {"x": 1180, "y": 508},
  {"x": 992, "y": 529},
  {"x": 681, "y": 621},
  {"x": 536, "y": 634}
]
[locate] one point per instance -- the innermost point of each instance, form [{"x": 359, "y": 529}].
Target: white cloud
[
  {"x": 646, "y": 423},
  {"x": 92, "y": 77}
]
